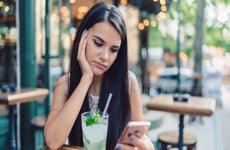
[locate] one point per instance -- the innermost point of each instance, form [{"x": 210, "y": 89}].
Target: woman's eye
[
  {"x": 98, "y": 44},
  {"x": 114, "y": 50}
]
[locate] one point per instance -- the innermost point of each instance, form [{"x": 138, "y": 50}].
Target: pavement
[{"x": 212, "y": 132}]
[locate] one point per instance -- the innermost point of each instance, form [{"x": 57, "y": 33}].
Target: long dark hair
[{"x": 115, "y": 80}]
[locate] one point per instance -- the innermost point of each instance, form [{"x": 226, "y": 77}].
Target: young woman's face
[{"x": 103, "y": 44}]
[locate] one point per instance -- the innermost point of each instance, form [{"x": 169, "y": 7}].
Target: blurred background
[{"x": 174, "y": 46}]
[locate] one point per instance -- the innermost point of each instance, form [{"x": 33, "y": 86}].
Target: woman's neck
[{"x": 95, "y": 87}]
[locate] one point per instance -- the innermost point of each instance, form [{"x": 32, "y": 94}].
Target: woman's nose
[{"x": 105, "y": 54}]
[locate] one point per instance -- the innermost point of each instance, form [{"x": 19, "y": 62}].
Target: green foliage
[
  {"x": 189, "y": 52},
  {"x": 212, "y": 35},
  {"x": 188, "y": 12},
  {"x": 156, "y": 39},
  {"x": 220, "y": 1}
]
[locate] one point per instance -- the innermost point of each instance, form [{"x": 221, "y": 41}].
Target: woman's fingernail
[
  {"x": 131, "y": 138},
  {"x": 85, "y": 31},
  {"x": 118, "y": 147}
]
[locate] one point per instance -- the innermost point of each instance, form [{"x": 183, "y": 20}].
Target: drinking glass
[{"x": 94, "y": 130}]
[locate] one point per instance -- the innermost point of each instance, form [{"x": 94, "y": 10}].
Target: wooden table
[
  {"x": 199, "y": 106},
  {"x": 19, "y": 96},
  {"x": 66, "y": 147}
]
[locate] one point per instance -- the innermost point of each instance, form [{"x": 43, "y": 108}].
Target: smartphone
[{"x": 137, "y": 128}]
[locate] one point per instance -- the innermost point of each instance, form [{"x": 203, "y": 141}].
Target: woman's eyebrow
[
  {"x": 114, "y": 46},
  {"x": 97, "y": 37}
]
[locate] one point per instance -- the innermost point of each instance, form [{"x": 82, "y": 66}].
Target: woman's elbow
[{"x": 51, "y": 142}]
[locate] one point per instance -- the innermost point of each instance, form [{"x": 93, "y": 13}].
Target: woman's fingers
[
  {"x": 137, "y": 142},
  {"x": 123, "y": 147},
  {"x": 82, "y": 45},
  {"x": 81, "y": 56},
  {"x": 143, "y": 143}
]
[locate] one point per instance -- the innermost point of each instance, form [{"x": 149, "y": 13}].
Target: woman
[{"x": 98, "y": 66}]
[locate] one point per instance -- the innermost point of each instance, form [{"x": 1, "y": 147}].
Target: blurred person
[{"x": 98, "y": 66}]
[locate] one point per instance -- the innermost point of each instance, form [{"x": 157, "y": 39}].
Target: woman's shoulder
[
  {"x": 132, "y": 81},
  {"x": 131, "y": 75},
  {"x": 61, "y": 87},
  {"x": 63, "y": 80}
]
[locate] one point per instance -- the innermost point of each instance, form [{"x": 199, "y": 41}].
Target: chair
[
  {"x": 38, "y": 124},
  {"x": 168, "y": 140}
]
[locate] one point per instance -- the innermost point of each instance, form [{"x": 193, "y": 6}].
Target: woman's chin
[{"x": 98, "y": 73}]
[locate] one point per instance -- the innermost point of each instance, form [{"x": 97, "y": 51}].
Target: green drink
[{"x": 94, "y": 130}]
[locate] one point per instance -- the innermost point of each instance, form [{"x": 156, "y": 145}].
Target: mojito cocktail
[{"x": 94, "y": 130}]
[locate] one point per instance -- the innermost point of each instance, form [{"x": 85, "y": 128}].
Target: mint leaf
[{"x": 93, "y": 119}]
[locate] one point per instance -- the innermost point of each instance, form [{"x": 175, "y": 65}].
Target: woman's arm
[
  {"x": 135, "y": 100},
  {"x": 143, "y": 143},
  {"x": 64, "y": 112}
]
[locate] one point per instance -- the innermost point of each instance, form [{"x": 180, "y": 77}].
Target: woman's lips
[{"x": 100, "y": 65}]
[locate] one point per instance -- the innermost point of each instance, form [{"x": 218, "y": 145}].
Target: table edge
[{"x": 26, "y": 95}]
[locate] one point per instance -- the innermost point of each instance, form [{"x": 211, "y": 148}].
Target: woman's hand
[
  {"x": 143, "y": 143},
  {"x": 85, "y": 67}
]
